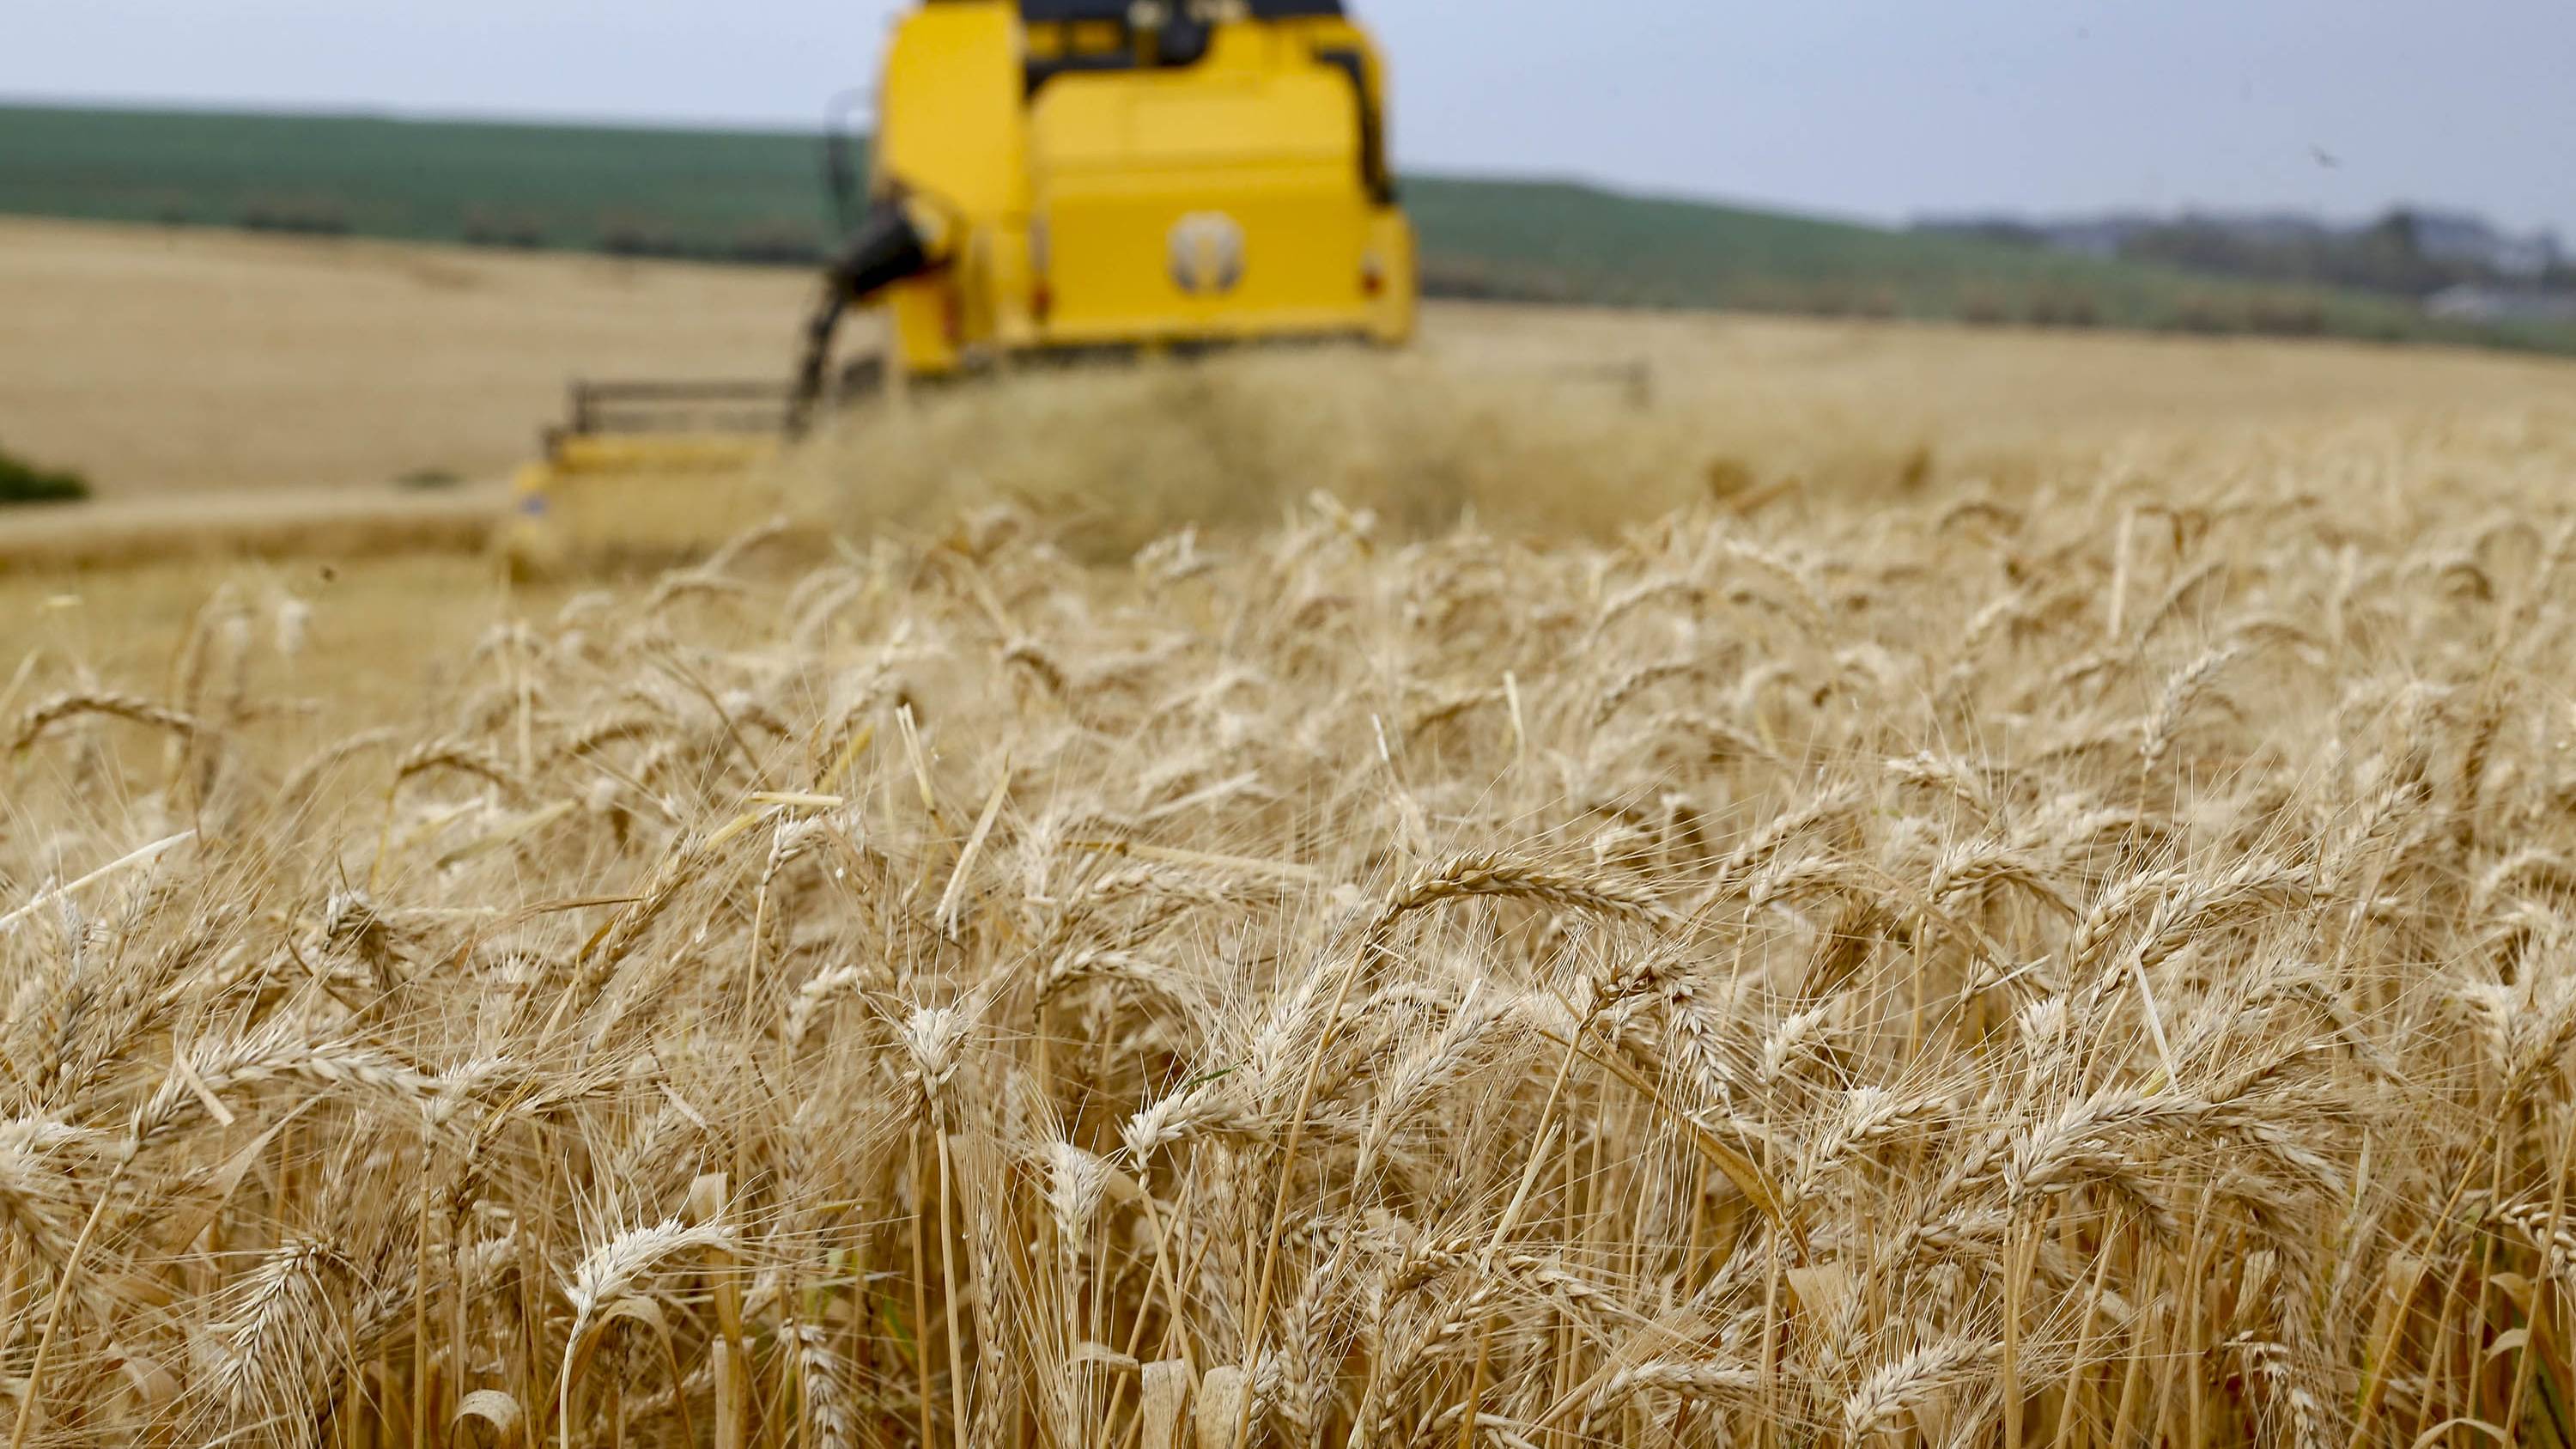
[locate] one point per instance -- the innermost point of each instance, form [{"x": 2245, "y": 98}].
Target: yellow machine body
[
  {"x": 1049, "y": 177},
  {"x": 1075, "y": 189},
  {"x": 648, "y": 498}
]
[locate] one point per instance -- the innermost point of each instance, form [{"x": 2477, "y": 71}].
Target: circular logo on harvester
[{"x": 1207, "y": 253}]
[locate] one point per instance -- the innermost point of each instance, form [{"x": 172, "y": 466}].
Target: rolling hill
[{"x": 756, "y": 197}]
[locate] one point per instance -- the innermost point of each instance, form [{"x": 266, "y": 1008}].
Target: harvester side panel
[
  {"x": 952, "y": 128},
  {"x": 1215, "y": 201}
]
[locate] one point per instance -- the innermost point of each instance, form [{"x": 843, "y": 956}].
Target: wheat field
[
  {"x": 1638, "y": 881},
  {"x": 2081, "y": 959}
]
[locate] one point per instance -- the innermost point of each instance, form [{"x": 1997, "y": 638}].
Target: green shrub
[
  {"x": 515, "y": 232},
  {"x": 1983, "y": 306},
  {"x": 24, "y": 482},
  {"x": 2208, "y": 314},
  {"x": 775, "y": 244},
  {"x": 2286, "y": 315},
  {"x": 293, "y": 216},
  {"x": 2063, "y": 306}
]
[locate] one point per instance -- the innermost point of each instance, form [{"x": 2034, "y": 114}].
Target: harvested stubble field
[
  {"x": 163, "y": 363},
  {"x": 2082, "y": 965}
]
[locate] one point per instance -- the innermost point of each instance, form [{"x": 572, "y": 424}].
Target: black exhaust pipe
[{"x": 886, "y": 249}]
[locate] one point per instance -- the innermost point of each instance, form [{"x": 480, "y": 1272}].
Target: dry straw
[{"x": 1999, "y": 971}]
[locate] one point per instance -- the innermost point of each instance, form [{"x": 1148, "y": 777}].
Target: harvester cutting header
[{"x": 1059, "y": 178}]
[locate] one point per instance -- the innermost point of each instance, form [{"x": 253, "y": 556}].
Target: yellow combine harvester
[{"x": 1051, "y": 178}]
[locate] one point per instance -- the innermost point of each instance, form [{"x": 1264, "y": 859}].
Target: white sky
[{"x": 1873, "y": 108}]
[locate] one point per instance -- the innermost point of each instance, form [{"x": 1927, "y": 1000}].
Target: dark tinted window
[
  {"x": 1052, "y": 10},
  {"x": 1047, "y": 10}
]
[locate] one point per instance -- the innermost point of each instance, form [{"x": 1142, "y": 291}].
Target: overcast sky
[{"x": 1880, "y": 109}]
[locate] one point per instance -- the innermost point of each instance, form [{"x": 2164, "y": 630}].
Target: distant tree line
[
  {"x": 2389, "y": 256},
  {"x": 2406, "y": 252}
]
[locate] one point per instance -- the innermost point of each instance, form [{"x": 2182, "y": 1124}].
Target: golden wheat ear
[{"x": 2077, "y": 960}]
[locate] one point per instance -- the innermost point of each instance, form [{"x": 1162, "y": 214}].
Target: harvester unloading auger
[{"x": 1049, "y": 179}]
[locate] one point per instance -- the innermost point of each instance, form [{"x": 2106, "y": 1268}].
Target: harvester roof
[{"x": 1048, "y": 11}]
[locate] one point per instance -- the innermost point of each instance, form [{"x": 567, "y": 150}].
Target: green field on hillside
[{"x": 758, "y": 197}]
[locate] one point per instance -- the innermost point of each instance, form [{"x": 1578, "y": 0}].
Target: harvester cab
[{"x": 1056, "y": 179}]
